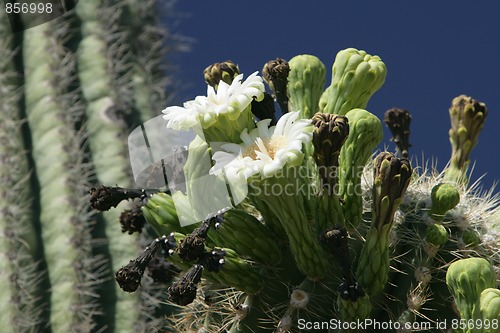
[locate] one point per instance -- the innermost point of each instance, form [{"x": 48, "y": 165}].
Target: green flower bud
[
  {"x": 436, "y": 234},
  {"x": 467, "y": 119},
  {"x": 489, "y": 305},
  {"x": 359, "y": 309},
  {"x": 245, "y": 234},
  {"x": 275, "y": 74},
  {"x": 306, "y": 82},
  {"x": 161, "y": 213},
  {"x": 239, "y": 273},
  {"x": 471, "y": 238},
  {"x": 444, "y": 197},
  {"x": 356, "y": 77},
  {"x": 398, "y": 121},
  {"x": 222, "y": 71},
  {"x": 365, "y": 133},
  {"x": 391, "y": 177},
  {"x": 466, "y": 279}
]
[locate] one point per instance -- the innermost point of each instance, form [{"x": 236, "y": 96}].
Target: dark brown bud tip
[
  {"x": 104, "y": 197},
  {"x": 183, "y": 292},
  {"x": 398, "y": 121},
  {"x": 335, "y": 240},
  {"x": 132, "y": 220},
  {"x": 275, "y": 74},
  {"x": 129, "y": 276}
]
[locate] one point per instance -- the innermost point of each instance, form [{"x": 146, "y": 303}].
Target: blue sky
[{"x": 433, "y": 50}]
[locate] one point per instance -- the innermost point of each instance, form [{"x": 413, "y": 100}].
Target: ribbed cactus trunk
[{"x": 71, "y": 91}]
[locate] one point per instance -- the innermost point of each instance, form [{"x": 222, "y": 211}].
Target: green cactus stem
[
  {"x": 356, "y": 76},
  {"x": 306, "y": 81},
  {"x": 398, "y": 120},
  {"x": 60, "y": 168},
  {"x": 467, "y": 119},
  {"x": 290, "y": 211},
  {"x": 100, "y": 63},
  {"x": 20, "y": 267},
  {"x": 365, "y": 134},
  {"x": 275, "y": 74},
  {"x": 353, "y": 303},
  {"x": 391, "y": 178}
]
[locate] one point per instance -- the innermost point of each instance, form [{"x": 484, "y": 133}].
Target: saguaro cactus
[
  {"x": 67, "y": 107},
  {"x": 327, "y": 263}
]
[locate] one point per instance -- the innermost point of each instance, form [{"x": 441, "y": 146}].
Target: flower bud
[{"x": 222, "y": 71}]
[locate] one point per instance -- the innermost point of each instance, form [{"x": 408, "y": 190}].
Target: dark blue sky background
[{"x": 433, "y": 50}]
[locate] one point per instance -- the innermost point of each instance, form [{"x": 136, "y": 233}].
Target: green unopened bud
[
  {"x": 365, "y": 133},
  {"x": 467, "y": 119},
  {"x": 471, "y": 238},
  {"x": 398, "y": 121},
  {"x": 391, "y": 177},
  {"x": 351, "y": 311},
  {"x": 161, "y": 214},
  {"x": 239, "y": 273},
  {"x": 356, "y": 76},
  {"x": 222, "y": 71},
  {"x": 466, "y": 279},
  {"x": 436, "y": 234},
  {"x": 306, "y": 82},
  {"x": 275, "y": 73},
  {"x": 489, "y": 305},
  {"x": 444, "y": 197},
  {"x": 246, "y": 235},
  {"x": 330, "y": 133}
]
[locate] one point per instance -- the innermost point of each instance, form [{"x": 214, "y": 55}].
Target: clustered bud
[
  {"x": 275, "y": 73},
  {"x": 183, "y": 292},
  {"x": 105, "y": 197},
  {"x": 129, "y": 276},
  {"x": 132, "y": 220},
  {"x": 222, "y": 71},
  {"x": 330, "y": 133},
  {"x": 391, "y": 178}
]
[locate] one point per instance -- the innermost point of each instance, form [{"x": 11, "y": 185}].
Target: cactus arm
[
  {"x": 61, "y": 175},
  {"x": 19, "y": 269},
  {"x": 99, "y": 61}
]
